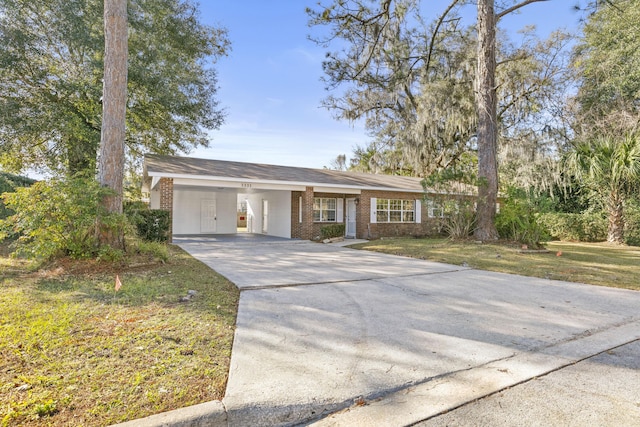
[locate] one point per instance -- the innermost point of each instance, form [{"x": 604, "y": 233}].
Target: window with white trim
[
  {"x": 324, "y": 209},
  {"x": 435, "y": 209},
  {"x": 395, "y": 210}
]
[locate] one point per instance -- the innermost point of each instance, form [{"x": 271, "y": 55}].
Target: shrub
[
  {"x": 632, "y": 223},
  {"x": 589, "y": 226},
  {"x": 151, "y": 225},
  {"x": 459, "y": 218},
  {"x": 518, "y": 218},
  {"x": 59, "y": 217},
  {"x": 8, "y": 184},
  {"x": 331, "y": 231}
]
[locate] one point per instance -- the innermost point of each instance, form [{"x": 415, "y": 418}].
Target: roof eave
[{"x": 157, "y": 175}]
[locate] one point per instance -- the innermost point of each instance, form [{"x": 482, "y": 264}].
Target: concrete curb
[{"x": 208, "y": 414}]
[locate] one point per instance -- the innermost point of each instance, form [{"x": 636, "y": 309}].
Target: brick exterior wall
[
  {"x": 316, "y": 226},
  {"x": 427, "y": 226},
  {"x": 309, "y": 230},
  {"x": 302, "y": 230},
  {"x": 166, "y": 200}
]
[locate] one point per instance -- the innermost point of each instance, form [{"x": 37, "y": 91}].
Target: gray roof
[{"x": 158, "y": 165}]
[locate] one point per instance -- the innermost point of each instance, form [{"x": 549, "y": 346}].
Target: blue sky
[{"x": 270, "y": 83}]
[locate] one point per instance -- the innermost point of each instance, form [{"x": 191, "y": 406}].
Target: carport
[
  {"x": 206, "y": 202},
  {"x": 217, "y": 208}
]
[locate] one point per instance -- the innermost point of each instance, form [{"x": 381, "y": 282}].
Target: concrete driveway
[{"x": 335, "y": 336}]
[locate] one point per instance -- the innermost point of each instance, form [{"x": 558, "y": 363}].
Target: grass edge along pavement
[
  {"x": 591, "y": 263},
  {"x": 75, "y": 352}
]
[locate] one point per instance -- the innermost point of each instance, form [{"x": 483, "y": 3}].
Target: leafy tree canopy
[
  {"x": 608, "y": 61},
  {"x": 412, "y": 79},
  {"x": 51, "y": 68}
]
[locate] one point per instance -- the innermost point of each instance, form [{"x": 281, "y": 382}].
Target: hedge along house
[{"x": 221, "y": 197}]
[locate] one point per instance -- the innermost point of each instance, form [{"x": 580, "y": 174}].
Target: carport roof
[{"x": 160, "y": 166}]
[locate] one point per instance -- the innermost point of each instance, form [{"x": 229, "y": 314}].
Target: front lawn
[
  {"x": 73, "y": 352},
  {"x": 593, "y": 263}
]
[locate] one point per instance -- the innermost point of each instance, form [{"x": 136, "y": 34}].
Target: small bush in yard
[
  {"x": 152, "y": 225},
  {"x": 589, "y": 226},
  {"x": 518, "y": 218},
  {"x": 59, "y": 217},
  {"x": 331, "y": 231},
  {"x": 459, "y": 218}
]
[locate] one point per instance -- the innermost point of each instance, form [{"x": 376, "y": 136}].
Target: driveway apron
[{"x": 391, "y": 340}]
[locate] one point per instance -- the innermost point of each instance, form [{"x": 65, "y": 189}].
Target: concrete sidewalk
[{"x": 334, "y": 336}]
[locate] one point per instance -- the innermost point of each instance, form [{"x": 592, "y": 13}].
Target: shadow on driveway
[{"x": 396, "y": 339}]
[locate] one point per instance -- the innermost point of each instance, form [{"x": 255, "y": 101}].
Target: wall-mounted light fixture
[{"x": 357, "y": 201}]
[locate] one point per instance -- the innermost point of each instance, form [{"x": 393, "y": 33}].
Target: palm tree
[{"x": 611, "y": 169}]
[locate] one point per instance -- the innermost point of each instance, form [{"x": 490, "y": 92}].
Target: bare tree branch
[{"x": 515, "y": 7}]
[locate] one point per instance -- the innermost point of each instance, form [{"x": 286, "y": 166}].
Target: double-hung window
[
  {"x": 395, "y": 210},
  {"x": 435, "y": 209},
  {"x": 324, "y": 209}
]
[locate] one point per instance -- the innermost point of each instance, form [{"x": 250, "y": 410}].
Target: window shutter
[
  {"x": 339, "y": 210},
  {"x": 374, "y": 204},
  {"x": 418, "y": 212}
]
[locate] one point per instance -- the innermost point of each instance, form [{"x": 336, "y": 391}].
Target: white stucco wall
[
  {"x": 186, "y": 211},
  {"x": 279, "y": 212},
  {"x": 154, "y": 199},
  {"x": 254, "y": 215}
]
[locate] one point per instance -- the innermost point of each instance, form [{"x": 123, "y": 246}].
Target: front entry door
[
  {"x": 208, "y": 217},
  {"x": 351, "y": 218}
]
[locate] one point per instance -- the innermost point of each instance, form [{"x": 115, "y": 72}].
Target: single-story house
[{"x": 221, "y": 197}]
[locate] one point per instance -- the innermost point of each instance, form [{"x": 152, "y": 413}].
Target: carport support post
[
  {"x": 166, "y": 202},
  {"x": 307, "y": 214}
]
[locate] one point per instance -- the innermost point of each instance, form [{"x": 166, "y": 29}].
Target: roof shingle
[{"x": 159, "y": 165}]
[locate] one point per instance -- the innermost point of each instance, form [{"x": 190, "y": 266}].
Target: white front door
[
  {"x": 351, "y": 218},
  {"x": 208, "y": 216},
  {"x": 265, "y": 216}
]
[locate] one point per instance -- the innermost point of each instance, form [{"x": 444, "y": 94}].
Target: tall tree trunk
[
  {"x": 487, "y": 122},
  {"x": 615, "y": 210},
  {"x": 114, "y": 105}
]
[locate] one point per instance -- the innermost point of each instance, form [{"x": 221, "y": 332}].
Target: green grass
[
  {"x": 73, "y": 352},
  {"x": 592, "y": 263}
]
